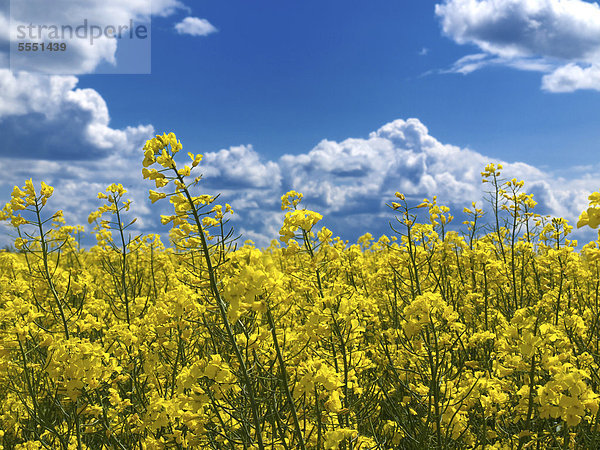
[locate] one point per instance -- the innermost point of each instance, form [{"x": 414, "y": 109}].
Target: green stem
[
  {"x": 223, "y": 311},
  {"x": 284, "y": 380}
]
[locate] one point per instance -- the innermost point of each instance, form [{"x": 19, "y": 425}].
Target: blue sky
[
  {"x": 285, "y": 76},
  {"x": 317, "y": 96}
]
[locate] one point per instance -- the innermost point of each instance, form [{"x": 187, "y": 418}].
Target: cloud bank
[
  {"x": 349, "y": 182},
  {"x": 560, "y": 38}
]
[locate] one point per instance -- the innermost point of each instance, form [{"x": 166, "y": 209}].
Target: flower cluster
[{"x": 429, "y": 338}]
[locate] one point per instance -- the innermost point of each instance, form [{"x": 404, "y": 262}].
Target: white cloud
[
  {"x": 349, "y": 182},
  {"x": 476, "y": 61},
  {"x": 195, "y": 27},
  {"x": 363, "y": 174},
  {"x": 81, "y": 57},
  {"x": 572, "y": 77},
  {"x": 54, "y": 131},
  {"x": 557, "y": 37},
  {"x": 67, "y": 121},
  {"x": 470, "y": 63},
  {"x": 240, "y": 166}
]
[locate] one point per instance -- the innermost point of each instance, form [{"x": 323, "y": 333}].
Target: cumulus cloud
[
  {"x": 558, "y": 37},
  {"x": 53, "y": 131},
  {"x": 361, "y": 174},
  {"x": 83, "y": 55},
  {"x": 572, "y": 77},
  {"x": 195, "y": 26},
  {"x": 349, "y": 182},
  {"x": 240, "y": 167},
  {"x": 54, "y": 120}
]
